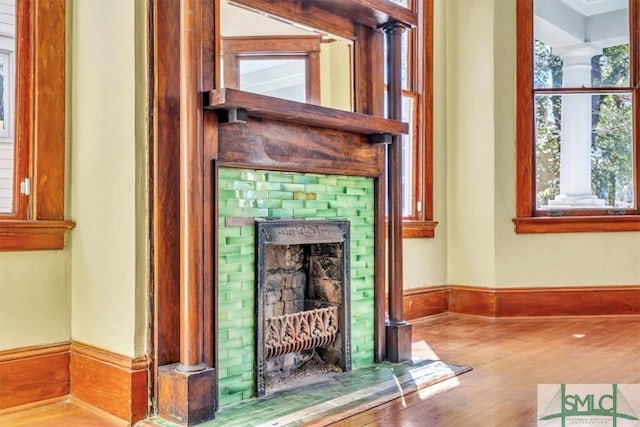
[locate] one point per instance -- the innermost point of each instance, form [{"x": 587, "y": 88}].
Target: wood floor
[{"x": 509, "y": 359}]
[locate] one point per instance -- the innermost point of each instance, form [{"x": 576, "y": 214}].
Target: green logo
[{"x": 588, "y": 404}]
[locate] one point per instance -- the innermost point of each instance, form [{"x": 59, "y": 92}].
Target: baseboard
[
  {"x": 537, "y": 302},
  {"x": 522, "y": 302},
  {"x": 425, "y": 302},
  {"x": 108, "y": 381},
  {"x": 33, "y": 374}
]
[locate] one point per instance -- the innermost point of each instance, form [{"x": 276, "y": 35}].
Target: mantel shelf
[{"x": 267, "y": 107}]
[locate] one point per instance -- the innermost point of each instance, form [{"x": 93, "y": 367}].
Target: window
[
  {"x": 417, "y": 84},
  {"x": 32, "y": 133},
  {"x": 577, "y": 116}
]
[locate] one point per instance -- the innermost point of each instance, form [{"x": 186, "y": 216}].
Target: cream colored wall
[
  {"x": 483, "y": 247},
  {"x": 34, "y": 298},
  {"x": 335, "y": 63},
  {"x": 544, "y": 260},
  {"x": 425, "y": 260},
  {"x": 108, "y": 175},
  {"x": 470, "y": 136}
]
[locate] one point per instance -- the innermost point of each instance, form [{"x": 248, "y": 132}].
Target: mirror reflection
[{"x": 270, "y": 56}]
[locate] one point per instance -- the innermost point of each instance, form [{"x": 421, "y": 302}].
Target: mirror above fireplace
[{"x": 271, "y": 56}]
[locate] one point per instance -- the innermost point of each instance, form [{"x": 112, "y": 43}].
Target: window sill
[
  {"x": 33, "y": 235},
  {"x": 577, "y": 224},
  {"x": 419, "y": 229}
]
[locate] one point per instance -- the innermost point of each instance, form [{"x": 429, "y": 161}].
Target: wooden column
[
  {"x": 186, "y": 389},
  {"x": 398, "y": 330}
]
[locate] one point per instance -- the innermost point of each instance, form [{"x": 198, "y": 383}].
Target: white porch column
[{"x": 575, "y": 143}]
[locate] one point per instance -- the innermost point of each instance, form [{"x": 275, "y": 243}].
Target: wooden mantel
[
  {"x": 190, "y": 144},
  {"x": 266, "y": 107}
]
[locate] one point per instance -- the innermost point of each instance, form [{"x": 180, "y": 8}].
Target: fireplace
[{"x": 302, "y": 300}]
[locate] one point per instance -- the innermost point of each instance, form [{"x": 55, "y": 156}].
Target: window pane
[
  {"x": 584, "y": 151},
  {"x": 281, "y": 78},
  {"x": 562, "y": 57},
  {"x": 7, "y": 101}
]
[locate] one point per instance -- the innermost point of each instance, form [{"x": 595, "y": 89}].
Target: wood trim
[
  {"x": 553, "y": 301},
  {"x": 573, "y": 224},
  {"x": 33, "y": 235},
  {"x": 418, "y": 229},
  {"x": 111, "y": 382},
  {"x": 471, "y": 300},
  {"x": 267, "y": 107},
  {"x": 524, "y": 109},
  {"x": 425, "y": 302},
  {"x": 49, "y": 106},
  {"x": 33, "y": 374}
]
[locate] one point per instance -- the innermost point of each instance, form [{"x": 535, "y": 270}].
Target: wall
[
  {"x": 484, "y": 249},
  {"x": 425, "y": 260},
  {"x": 34, "y": 298},
  {"x": 108, "y": 175}
]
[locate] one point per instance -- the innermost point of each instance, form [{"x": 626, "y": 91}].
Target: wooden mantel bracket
[{"x": 231, "y": 115}]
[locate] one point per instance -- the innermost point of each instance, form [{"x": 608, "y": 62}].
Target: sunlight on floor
[{"x": 422, "y": 350}]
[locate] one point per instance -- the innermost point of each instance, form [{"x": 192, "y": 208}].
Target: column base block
[
  {"x": 399, "y": 342},
  {"x": 186, "y": 398}
]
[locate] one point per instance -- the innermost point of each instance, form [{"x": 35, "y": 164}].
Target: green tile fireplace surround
[{"x": 245, "y": 193}]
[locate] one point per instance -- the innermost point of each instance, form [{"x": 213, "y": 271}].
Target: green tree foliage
[
  {"x": 611, "y": 144},
  {"x": 548, "y": 110}
]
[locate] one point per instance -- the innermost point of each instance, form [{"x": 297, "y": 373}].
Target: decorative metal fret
[{"x": 300, "y": 331}]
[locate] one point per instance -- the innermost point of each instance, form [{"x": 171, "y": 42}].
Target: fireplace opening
[{"x": 302, "y": 301}]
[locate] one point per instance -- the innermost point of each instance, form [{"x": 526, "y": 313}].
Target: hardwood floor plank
[{"x": 510, "y": 358}]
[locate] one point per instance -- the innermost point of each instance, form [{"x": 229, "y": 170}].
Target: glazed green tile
[
  {"x": 302, "y": 195},
  {"x": 250, "y": 175},
  {"x": 268, "y": 203},
  {"x": 229, "y": 173},
  {"x": 225, "y": 250},
  {"x": 239, "y": 259},
  {"x": 241, "y": 276},
  {"x": 230, "y": 305},
  {"x": 230, "y": 212},
  {"x": 243, "y": 185},
  {"x": 281, "y": 195},
  {"x": 305, "y": 178},
  {"x": 279, "y": 177},
  {"x": 305, "y": 213},
  {"x": 327, "y": 213},
  {"x": 316, "y": 204},
  {"x": 278, "y": 213},
  {"x": 328, "y": 180},
  {"x": 336, "y": 190},
  {"x": 227, "y": 362},
  {"x": 292, "y": 204},
  {"x": 239, "y": 240},
  {"x": 292, "y": 187},
  {"x": 326, "y": 196}
]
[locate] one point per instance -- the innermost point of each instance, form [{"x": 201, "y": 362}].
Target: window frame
[
  {"x": 528, "y": 219},
  {"x": 37, "y": 221},
  {"x": 236, "y": 48},
  {"x": 420, "y": 223}
]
